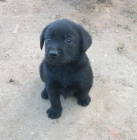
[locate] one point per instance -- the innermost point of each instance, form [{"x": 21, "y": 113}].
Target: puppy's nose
[{"x": 53, "y": 53}]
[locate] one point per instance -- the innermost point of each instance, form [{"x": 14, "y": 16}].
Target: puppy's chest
[{"x": 64, "y": 77}]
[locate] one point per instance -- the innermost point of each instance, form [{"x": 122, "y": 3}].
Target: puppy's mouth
[{"x": 58, "y": 60}]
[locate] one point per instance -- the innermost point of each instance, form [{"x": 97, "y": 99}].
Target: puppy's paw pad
[
  {"x": 84, "y": 102},
  {"x": 44, "y": 94},
  {"x": 54, "y": 114}
]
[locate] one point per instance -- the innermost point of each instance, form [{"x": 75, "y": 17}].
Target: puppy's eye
[
  {"x": 68, "y": 41},
  {"x": 48, "y": 39}
]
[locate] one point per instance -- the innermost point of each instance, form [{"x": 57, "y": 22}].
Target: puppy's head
[{"x": 65, "y": 41}]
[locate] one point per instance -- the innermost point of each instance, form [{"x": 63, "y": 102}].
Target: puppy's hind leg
[
  {"x": 82, "y": 95},
  {"x": 44, "y": 94},
  {"x": 84, "y": 102},
  {"x": 83, "y": 98}
]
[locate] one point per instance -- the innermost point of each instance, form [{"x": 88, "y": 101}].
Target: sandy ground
[{"x": 112, "y": 114}]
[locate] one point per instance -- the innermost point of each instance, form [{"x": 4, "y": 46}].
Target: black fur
[{"x": 65, "y": 69}]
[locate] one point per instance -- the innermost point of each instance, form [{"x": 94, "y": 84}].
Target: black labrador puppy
[{"x": 65, "y": 69}]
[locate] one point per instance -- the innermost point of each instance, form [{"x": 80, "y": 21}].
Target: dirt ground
[{"x": 112, "y": 114}]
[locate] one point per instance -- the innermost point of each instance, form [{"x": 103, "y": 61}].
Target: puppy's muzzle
[{"x": 53, "y": 53}]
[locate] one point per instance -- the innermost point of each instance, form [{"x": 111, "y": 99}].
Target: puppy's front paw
[
  {"x": 84, "y": 102},
  {"x": 44, "y": 94},
  {"x": 54, "y": 114}
]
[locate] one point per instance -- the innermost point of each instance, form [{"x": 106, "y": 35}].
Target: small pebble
[
  {"x": 117, "y": 31},
  {"x": 11, "y": 80},
  {"x": 32, "y": 133}
]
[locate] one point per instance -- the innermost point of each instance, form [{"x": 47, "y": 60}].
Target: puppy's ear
[
  {"x": 42, "y": 39},
  {"x": 86, "y": 39}
]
